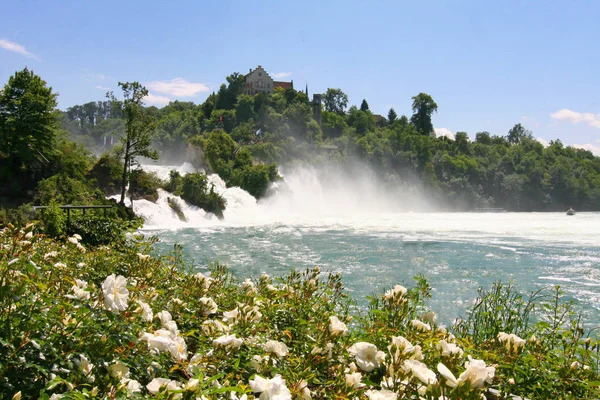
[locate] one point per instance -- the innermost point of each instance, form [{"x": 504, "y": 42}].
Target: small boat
[{"x": 570, "y": 211}]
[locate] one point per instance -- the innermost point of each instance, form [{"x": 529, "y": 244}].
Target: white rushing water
[{"x": 308, "y": 199}]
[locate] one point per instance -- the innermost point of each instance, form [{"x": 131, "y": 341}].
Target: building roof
[{"x": 283, "y": 85}]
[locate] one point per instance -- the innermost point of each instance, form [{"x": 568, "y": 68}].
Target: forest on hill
[
  {"x": 511, "y": 171},
  {"x": 79, "y": 155}
]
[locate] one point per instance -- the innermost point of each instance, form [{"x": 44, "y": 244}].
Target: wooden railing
[{"x": 69, "y": 208}]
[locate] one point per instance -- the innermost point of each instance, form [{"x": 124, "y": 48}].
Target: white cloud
[
  {"x": 439, "y": 132},
  {"x": 590, "y": 147},
  {"x": 178, "y": 87},
  {"x": 155, "y": 100},
  {"x": 576, "y": 117},
  {"x": 279, "y": 75},
  {"x": 542, "y": 141},
  {"x": 16, "y": 48},
  {"x": 102, "y": 87}
]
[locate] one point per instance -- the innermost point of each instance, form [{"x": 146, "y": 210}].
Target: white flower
[
  {"x": 511, "y": 381},
  {"x": 274, "y": 388},
  {"x": 60, "y": 265},
  {"x": 164, "y": 317},
  {"x": 204, "y": 280},
  {"x": 115, "y": 293},
  {"x": 422, "y": 326},
  {"x": 354, "y": 380},
  {"x": 575, "y": 365},
  {"x": 420, "y": 371},
  {"x": 533, "y": 339},
  {"x": 304, "y": 391},
  {"x": 133, "y": 386},
  {"x": 228, "y": 340},
  {"x": 178, "y": 349},
  {"x": 512, "y": 342},
  {"x": 446, "y": 373},
  {"x": 51, "y": 254},
  {"x": 171, "y": 326},
  {"x": 249, "y": 285},
  {"x": 230, "y": 316},
  {"x": 209, "y": 305},
  {"x": 430, "y": 317},
  {"x": 192, "y": 384},
  {"x": 81, "y": 248},
  {"x": 157, "y": 341},
  {"x": 259, "y": 362},
  {"x": 449, "y": 349},
  {"x": 336, "y": 326},
  {"x": 79, "y": 290},
  {"x": 85, "y": 366},
  {"x": 212, "y": 326},
  {"x": 397, "y": 292},
  {"x": 73, "y": 240},
  {"x": 366, "y": 355},
  {"x": 118, "y": 370},
  {"x": 146, "y": 311},
  {"x": 278, "y": 348},
  {"x": 382, "y": 394},
  {"x": 142, "y": 257},
  {"x": 157, "y": 383},
  {"x": 477, "y": 373},
  {"x": 404, "y": 349}
]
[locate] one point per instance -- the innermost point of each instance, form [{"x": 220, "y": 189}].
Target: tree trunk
[{"x": 124, "y": 176}]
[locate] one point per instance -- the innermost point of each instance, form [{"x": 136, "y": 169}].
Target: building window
[{"x": 260, "y": 74}]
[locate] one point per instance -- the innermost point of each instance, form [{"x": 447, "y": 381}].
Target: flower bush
[{"x": 119, "y": 322}]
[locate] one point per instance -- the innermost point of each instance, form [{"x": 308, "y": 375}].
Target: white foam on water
[{"x": 313, "y": 201}]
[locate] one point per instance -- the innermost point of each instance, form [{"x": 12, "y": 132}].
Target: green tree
[
  {"x": 483, "y": 138},
  {"x": 244, "y": 110},
  {"x": 335, "y": 101},
  {"x": 518, "y": 133},
  {"x": 392, "y": 116},
  {"x": 423, "y": 107},
  {"x": 28, "y": 131},
  {"x": 139, "y": 127},
  {"x": 364, "y": 106},
  {"x": 462, "y": 141}
]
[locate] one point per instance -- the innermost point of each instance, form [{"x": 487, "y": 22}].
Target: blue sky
[{"x": 488, "y": 65}]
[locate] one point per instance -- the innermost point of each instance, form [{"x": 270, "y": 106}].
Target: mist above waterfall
[
  {"x": 332, "y": 190},
  {"x": 306, "y": 193}
]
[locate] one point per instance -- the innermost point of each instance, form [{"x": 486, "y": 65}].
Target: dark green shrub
[
  {"x": 235, "y": 165},
  {"x": 194, "y": 190},
  {"x": 19, "y": 216},
  {"x": 64, "y": 189},
  {"x": 255, "y": 179},
  {"x": 144, "y": 185},
  {"x": 98, "y": 230},
  {"x": 54, "y": 219},
  {"x": 174, "y": 183},
  {"x": 107, "y": 173}
]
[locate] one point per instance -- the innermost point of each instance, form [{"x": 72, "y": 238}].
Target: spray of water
[{"x": 305, "y": 194}]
